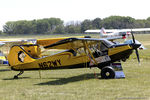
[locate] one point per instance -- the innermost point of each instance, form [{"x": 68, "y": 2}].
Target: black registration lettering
[
  {"x": 49, "y": 64},
  {"x": 54, "y": 63},
  {"x": 45, "y": 65},
  {"x": 59, "y": 62},
  {"x": 41, "y": 65}
]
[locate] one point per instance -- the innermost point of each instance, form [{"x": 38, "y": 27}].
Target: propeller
[{"x": 137, "y": 53}]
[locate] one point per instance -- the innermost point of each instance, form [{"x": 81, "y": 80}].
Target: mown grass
[
  {"x": 80, "y": 84},
  {"x": 77, "y": 84}
]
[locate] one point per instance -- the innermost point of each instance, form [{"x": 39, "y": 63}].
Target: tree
[
  {"x": 147, "y": 23},
  {"x": 1, "y": 32},
  {"x": 86, "y": 24},
  {"x": 73, "y": 27},
  {"x": 56, "y": 25},
  {"x": 9, "y": 28},
  {"x": 148, "y": 19},
  {"x": 96, "y": 23},
  {"x": 118, "y": 22},
  {"x": 40, "y": 26},
  {"x": 53, "y": 22},
  {"x": 59, "y": 29}
]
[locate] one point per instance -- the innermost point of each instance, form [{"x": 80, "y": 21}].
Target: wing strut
[{"x": 86, "y": 46}]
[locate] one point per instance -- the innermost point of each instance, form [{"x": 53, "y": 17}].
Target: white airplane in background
[
  {"x": 116, "y": 32},
  {"x": 124, "y": 33}
]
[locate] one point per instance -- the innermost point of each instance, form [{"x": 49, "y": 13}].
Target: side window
[{"x": 103, "y": 47}]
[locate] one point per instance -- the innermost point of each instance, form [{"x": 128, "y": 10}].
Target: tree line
[{"x": 57, "y": 26}]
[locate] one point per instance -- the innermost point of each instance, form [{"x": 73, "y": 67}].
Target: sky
[{"x": 71, "y": 10}]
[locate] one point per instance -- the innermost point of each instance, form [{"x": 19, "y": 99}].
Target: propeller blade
[
  {"x": 136, "y": 50},
  {"x": 132, "y": 36},
  {"x": 137, "y": 55}
]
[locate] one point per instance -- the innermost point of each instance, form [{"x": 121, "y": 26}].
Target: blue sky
[{"x": 71, "y": 10}]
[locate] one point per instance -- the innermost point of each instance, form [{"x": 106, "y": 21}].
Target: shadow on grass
[
  {"x": 3, "y": 70},
  {"x": 62, "y": 81},
  {"x": 16, "y": 79}
]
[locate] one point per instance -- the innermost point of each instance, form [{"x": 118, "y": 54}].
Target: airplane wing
[
  {"x": 139, "y": 29},
  {"x": 113, "y": 38},
  {"x": 99, "y": 30},
  {"x": 134, "y": 30},
  {"x": 48, "y": 41},
  {"x": 73, "y": 43},
  {"x": 11, "y": 42},
  {"x": 118, "y": 30},
  {"x": 41, "y": 42}
]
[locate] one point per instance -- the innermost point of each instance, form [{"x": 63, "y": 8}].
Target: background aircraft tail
[{"x": 102, "y": 32}]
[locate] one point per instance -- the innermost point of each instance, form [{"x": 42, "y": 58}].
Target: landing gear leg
[{"x": 16, "y": 76}]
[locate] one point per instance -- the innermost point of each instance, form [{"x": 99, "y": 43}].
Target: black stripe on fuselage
[{"x": 83, "y": 65}]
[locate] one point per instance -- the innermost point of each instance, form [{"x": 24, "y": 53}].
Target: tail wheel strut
[{"x": 16, "y": 76}]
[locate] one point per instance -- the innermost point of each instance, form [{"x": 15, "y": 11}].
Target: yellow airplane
[{"x": 77, "y": 53}]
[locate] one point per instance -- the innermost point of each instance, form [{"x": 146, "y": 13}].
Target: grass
[
  {"x": 76, "y": 84},
  {"x": 80, "y": 84}
]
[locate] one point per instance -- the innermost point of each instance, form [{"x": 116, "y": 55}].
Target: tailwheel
[
  {"x": 107, "y": 73},
  {"x": 16, "y": 76}
]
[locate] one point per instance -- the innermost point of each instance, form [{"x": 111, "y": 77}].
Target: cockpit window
[
  {"x": 107, "y": 43},
  {"x": 122, "y": 33}
]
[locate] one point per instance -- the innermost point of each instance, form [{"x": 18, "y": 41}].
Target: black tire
[
  {"x": 107, "y": 73},
  {"x": 15, "y": 77}
]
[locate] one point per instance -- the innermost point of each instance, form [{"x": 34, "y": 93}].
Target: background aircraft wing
[
  {"x": 134, "y": 30},
  {"x": 99, "y": 30},
  {"x": 140, "y": 29},
  {"x": 11, "y": 42},
  {"x": 118, "y": 30}
]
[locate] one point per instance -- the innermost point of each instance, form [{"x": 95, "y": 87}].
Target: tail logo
[{"x": 21, "y": 56}]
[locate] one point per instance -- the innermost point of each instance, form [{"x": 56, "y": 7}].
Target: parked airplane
[
  {"x": 116, "y": 32},
  {"x": 124, "y": 33},
  {"x": 78, "y": 53}
]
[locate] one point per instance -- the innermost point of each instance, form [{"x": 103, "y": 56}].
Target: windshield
[{"x": 107, "y": 43}]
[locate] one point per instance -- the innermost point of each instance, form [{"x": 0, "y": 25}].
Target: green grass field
[{"x": 80, "y": 84}]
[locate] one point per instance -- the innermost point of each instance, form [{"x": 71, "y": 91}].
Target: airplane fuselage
[{"x": 67, "y": 59}]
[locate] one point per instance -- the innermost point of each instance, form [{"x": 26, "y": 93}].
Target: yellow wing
[
  {"x": 73, "y": 43},
  {"x": 49, "y": 41}
]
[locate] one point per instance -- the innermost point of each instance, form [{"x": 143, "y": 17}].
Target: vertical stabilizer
[{"x": 102, "y": 32}]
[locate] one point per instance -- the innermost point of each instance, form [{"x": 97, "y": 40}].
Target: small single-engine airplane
[
  {"x": 77, "y": 53},
  {"x": 116, "y": 32}
]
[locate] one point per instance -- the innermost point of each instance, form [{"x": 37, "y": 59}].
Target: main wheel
[{"x": 107, "y": 73}]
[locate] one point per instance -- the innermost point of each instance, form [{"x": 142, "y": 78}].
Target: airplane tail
[
  {"x": 102, "y": 32},
  {"x": 21, "y": 54}
]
